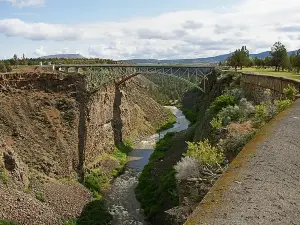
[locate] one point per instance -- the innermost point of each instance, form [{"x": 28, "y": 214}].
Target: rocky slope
[{"x": 51, "y": 130}]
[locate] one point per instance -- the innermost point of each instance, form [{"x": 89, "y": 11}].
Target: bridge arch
[
  {"x": 100, "y": 74},
  {"x": 126, "y": 78}
]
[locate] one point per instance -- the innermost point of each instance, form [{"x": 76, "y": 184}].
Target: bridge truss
[{"x": 98, "y": 75}]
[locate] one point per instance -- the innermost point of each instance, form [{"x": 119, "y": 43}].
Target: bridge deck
[{"x": 138, "y": 65}]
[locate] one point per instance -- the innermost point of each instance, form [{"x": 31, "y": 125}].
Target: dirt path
[{"x": 262, "y": 185}]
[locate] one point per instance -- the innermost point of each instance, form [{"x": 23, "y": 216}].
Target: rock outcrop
[{"x": 52, "y": 130}]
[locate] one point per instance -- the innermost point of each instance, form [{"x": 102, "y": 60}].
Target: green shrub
[
  {"x": 7, "y": 222},
  {"x": 221, "y": 102},
  {"x": 230, "y": 114},
  {"x": 290, "y": 92},
  {"x": 261, "y": 116},
  {"x": 190, "y": 115},
  {"x": 40, "y": 196},
  {"x": 247, "y": 108},
  {"x": 282, "y": 104},
  {"x": 216, "y": 122},
  {"x": 236, "y": 142},
  {"x": 121, "y": 152},
  {"x": 71, "y": 222},
  {"x": 2, "y": 68},
  {"x": 237, "y": 93},
  {"x": 95, "y": 213},
  {"x": 205, "y": 153},
  {"x": 8, "y": 67},
  {"x": 154, "y": 192},
  {"x": 93, "y": 181}
]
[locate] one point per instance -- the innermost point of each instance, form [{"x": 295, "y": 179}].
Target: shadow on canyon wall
[{"x": 117, "y": 120}]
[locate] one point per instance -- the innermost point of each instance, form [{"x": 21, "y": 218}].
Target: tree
[
  {"x": 268, "y": 61},
  {"x": 239, "y": 58},
  {"x": 295, "y": 60},
  {"x": 279, "y": 55},
  {"x": 8, "y": 66},
  {"x": 14, "y": 61},
  {"x": 257, "y": 62},
  {"x": 286, "y": 64},
  {"x": 2, "y": 68}
]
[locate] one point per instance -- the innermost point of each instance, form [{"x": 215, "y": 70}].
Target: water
[{"x": 121, "y": 199}]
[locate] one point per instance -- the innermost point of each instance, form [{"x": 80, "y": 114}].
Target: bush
[
  {"x": 220, "y": 103},
  {"x": 230, "y": 114},
  {"x": 261, "y": 116},
  {"x": 290, "y": 92},
  {"x": 205, "y": 153},
  {"x": 40, "y": 196},
  {"x": 153, "y": 192},
  {"x": 267, "y": 97},
  {"x": 190, "y": 115},
  {"x": 187, "y": 167},
  {"x": 93, "y": 182},
  {"x": 71, "y": 222},
  {"x": 216, "y": 122},
  {"x": 95, "y": 213},
  {"x": 234, "y": 143},
  {"x": 2, "y": 68},
  {"x": 282, "y": 105},
  {"x": 8, "y": 67},
  {"x": 237, "y": 93},
  {"x": 247, "y": 108}
]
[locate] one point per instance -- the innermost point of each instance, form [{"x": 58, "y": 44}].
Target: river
[{"x": 121, "y": 199}]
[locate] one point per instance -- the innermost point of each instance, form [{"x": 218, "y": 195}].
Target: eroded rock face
[
  {"x": 51, "y": 129},
  {"x": 18, "y": 169}
]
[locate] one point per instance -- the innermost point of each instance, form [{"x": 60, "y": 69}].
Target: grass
[
  {"x": 7, "y": 222},
  {"x": 40, "y": 196},
  {"x": 271, "y": 71},
  {"x": 169, "y": 124},
  {"x": 153, "y": 192}
]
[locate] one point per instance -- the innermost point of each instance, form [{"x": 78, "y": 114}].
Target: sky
[{"x": 161, "y": 29}]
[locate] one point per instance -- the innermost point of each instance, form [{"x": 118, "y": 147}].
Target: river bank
[{"x": 121, "y": 199}]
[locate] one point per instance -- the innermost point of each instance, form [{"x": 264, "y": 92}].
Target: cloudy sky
[{"x": 163, "y": 29}]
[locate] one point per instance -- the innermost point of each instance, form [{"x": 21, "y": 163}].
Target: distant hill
[
  {"x": 63, "y": 56},
  {"x": 213, "y": 59}
]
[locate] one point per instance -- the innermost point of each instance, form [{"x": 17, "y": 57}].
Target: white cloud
[
  {"x": 25, "y": 3},
  {"x": 40, "y": 51},
  {"x": 184, "y": 34}
]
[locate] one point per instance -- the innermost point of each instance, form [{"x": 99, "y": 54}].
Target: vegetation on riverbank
[
  {"x": 97, "y": 181},
  {"x": 152, "y": 191},
  {"x": 169, "y": 124}
]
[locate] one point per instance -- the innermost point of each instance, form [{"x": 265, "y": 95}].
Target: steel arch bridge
[{"x": 100, "y": 74}]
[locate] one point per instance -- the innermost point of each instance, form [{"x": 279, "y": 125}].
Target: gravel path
[{"x": 262, "y": 185}]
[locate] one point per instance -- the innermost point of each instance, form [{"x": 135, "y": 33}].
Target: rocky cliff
[{"x": 52, "y": 130}]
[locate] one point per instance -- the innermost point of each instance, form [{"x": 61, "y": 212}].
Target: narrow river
[{"x": 121, "y": 199}]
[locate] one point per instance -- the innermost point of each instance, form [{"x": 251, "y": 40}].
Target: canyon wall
[{"x": 52, "y": 130}]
